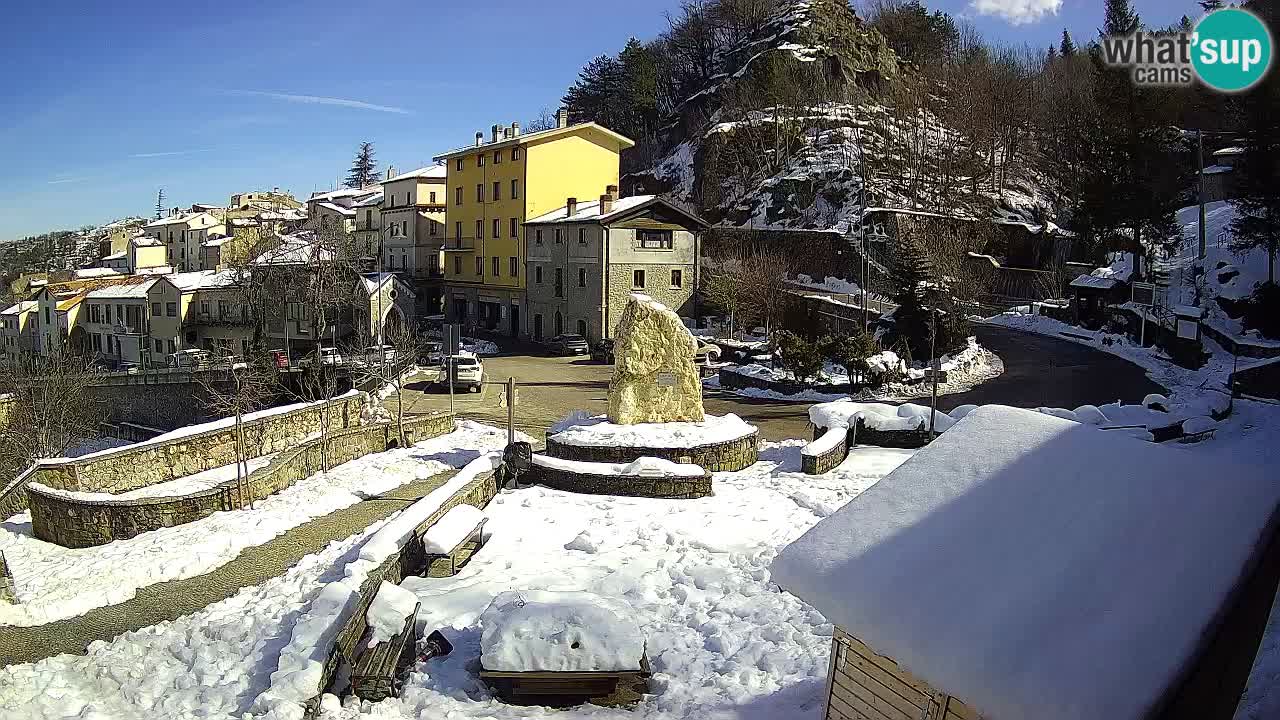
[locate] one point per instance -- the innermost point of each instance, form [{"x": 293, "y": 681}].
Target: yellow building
[{"x": 493, "y": 186}]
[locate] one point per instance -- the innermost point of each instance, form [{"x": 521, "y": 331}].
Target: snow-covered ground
[{"x": 54, "y": 582}]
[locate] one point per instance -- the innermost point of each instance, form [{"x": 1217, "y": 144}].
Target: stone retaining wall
[
  {"x": 78, "y": 523},
  {"x": 410, "y": 560},
  {"x": 730, "y": 456},
  {"x": 682, "y": 488},
  {"x": 134, "y": 467},
  {"x": 8, "y": 593},
  {"x": 909, "y": 439},
  {"x": 823, "y": 462},
  {"x": 737, "y": 381}
]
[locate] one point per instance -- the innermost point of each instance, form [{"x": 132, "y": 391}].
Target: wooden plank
[
  {"x": 885, "y": 663},
  {"x": 853, "y": 705},
  {"x": 851, "y": 659},
  {"x": 957, "y": 709},
  {"x": 886, "y": 697},
  {"x": 835, "y": 713},
  {"x": 869, "y": 698}
]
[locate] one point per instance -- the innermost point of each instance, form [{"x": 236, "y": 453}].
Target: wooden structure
[
  {"x": 378, "y": 671},
  {"x": 562, "y": 689},
  {"x": 448, "y": 564},
  {"x": 863, "y": 685}
]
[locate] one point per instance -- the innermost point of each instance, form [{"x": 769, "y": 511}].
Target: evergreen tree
[
  {"x": 917, "y": 292},
  {"x": 1257, "y": 224},
  {"x": 364, "y": 171},
  {"x": 1067, "y": 48},
  {"x": 1119, "y": 18},
  {"x": 1210, "y": 5},
  {"x": 1051, "y": 55}
]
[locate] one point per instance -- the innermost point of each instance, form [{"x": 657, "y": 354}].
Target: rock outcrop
[{"x": 654, "y": 378}]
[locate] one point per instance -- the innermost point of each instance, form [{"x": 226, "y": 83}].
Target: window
[
  {"x": 173, "y": 346},
  {"x": 497, "y": 190},
  {"x": 457, "y": 232},
  {"x": 655, "y": 239},
  {"x": 457, "y": 196},
  {"x": 224, "y": 309},
  {"x": 537, "y": 274},
  {"x": 108, "y": 307},
  {"x": 479, "y": 192},
  {"x": 582, "y": 328},
  {"x": 515, "y": 189},
  {"x": 480, "y": 266},
  {"x": 458, "y": 164},
  {"x": 677, "y": 278},
  {"x": 637, "y": 278},
  {"x": 404, "y": 227},
  {"x": 159, "y": 345},
  {"x": 434, "y": 225},
  {"x": 204, "y": 309},
  {"x": 497, "y": 267},
  {"x": 582, "y": 277},
  {"x": 480, "y": 160},
  {"x": 558, "y": 240},
  {"x": 582, "y": 236},
  {"x": 559, "y": 289},
  {"x": 47, "y": 321},
  {"x": 171, "y": 309},
  {"x": 433, "y": 197},
  {"x": 559, "y": 323},
  {"x": 497, "y": 157},
  {"x": 537, "y": 326},
  {"x": 515, "y": 227},
  {"x": 515, "y": 267},
  {"x": 479, "y": 229},
  {"x": 515, "y": 153},
  {"x": 537, "y": 236},
  {"x": 457, "y": 264}
]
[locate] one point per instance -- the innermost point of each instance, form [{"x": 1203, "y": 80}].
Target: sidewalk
[{"x": 173, "y": 599}]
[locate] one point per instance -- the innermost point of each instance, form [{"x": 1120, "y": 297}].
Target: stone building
[{"x": 586, "y": 259}]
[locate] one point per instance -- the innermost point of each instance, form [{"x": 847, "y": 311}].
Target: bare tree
[
  {"x": 49, "y": 408},
  {"x": 723, "y": 287},
  {"x": 764, "y": 275},
  {"x": 249, "y": 386}
]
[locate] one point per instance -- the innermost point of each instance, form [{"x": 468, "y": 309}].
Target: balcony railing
[{"x": 459, "y": 244}]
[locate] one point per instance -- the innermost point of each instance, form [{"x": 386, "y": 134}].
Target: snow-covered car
[
  {"x": 330, "y": 357},
  {"x": 706, "y": 353},
  {"x": 189, "y": 358},
  {"x": 468, "y": 372},
  {"x": 376, "y": 354}
]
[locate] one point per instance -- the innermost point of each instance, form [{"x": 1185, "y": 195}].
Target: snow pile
[
  {"x": 830, "y": 284},
  {"x": 827, "y": 442},
  {"x": 560, "y": 632},
  {"x": 1091, "y": 607},
  {"x": 1155, "y": 401},
  {"x": 887, "y": 362},
  {"x": 173, "y": 488},
  {"x": 658, "y": 435},
  {"x": 400, "y": 528},
  {"x": 449, "y": 531},
  {"x": 388, "y": 611},
  {"x": 1196, "y": 425},
  {"x": 54, "y": 582},
  {"x": 640, "y": 467},
  {"x": 475, "y": 346},
  {"x": 877, "y": 416}
]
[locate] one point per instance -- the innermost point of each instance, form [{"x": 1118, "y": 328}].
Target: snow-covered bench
[
  {"x": 453, "y": 539},
  {"x": 387, "y": 649}
]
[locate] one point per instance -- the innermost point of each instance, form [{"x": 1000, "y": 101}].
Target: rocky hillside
[{"x": 809, "y": 110}]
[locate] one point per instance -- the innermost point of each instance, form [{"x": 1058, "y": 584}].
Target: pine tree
[
  {"x": 913, "y": 280},
  {"x": 1067, "y": 48},
  {"x": 1119, "y": 18},
  {"x": 364, "y": 171},
  {"x": 160, "y": 204},
  {"x": 1051, "y": 55},
  {"x": 1257, "y": 224},
  {"x": 1210, "y": 5}
]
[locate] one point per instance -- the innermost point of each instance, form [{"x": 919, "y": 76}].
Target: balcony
[
  {"x": 459, "y": 244},
  {"x": 209, "y": 319}
]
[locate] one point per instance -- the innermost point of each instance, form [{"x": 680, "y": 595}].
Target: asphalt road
[{"x": 1039, "y": 370}]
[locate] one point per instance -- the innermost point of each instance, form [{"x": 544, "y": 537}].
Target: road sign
[
  {"x": 1144, "y": 294},
  {"x": 452, "y": 339}
]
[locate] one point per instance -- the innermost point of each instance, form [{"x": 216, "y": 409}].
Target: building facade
[
  {"x": 493, "y": 188},
  {"x": 173, "y": 231},
  {"x": 413, "y": 233},
  {"x": 16, "y": 337},
  {"x": 585, "y": 259}
]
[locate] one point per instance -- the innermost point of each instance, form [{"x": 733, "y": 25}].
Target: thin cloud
[
  {"x": 61, "y": 181},
  {"x": 318, "y": 100},
  {"x": 170, "y": 153},
  {"x": 1017, "y": 12}
]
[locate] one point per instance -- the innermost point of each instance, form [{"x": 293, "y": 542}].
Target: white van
[{"x": 190, "y": 358}]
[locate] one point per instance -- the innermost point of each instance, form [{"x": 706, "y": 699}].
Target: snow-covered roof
[
  {"x": 591, "y": 210},
  {"x": 337, "y": 208},
  {"x": 116, "y": 256},
  {"x": 344, "y": 193},
  {"x": 431, "y": 171},
  {"x": 215, "y": 241},
  {"x": 20, "y": 307},
  {"x": 1094, "y": 282},
  {"x": 179, "y": 218},
  {"x": 1217, "y": 169},
  {"x": 145, "y": 241},
  {"x": 1233, "y": 150},
  {"x": 298, "y": 249},
  {"x": 123, "y": 291},
  {"x": 1038, "y": 567},
  {"x": 157, "y": 270},
  {"x": 371, "y": 201},
  {"x": 373, "y": 281},
  {"x": 624, "y": 141},
  {"x": 203, "y": 280}
]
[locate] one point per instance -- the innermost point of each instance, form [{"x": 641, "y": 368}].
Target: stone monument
[{"x": 654, "y": 377}]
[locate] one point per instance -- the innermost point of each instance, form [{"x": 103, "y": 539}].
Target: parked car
[
  {"x": 706, "y": 353},
  {"x": 375, "y": 354},
  {"x": 330, "y": 356},
  {"x": 432, "y": 353},
  {"x": 190, "y": 358},
  {"x": 568, "y": 345},
  {"x": 603, "y": 351},
  {"x": 468, "y": 372}
]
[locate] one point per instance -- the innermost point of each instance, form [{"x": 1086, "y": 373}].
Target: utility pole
[
  {"x": 933, "y": 370},
  {"x": 1200, "y": 173},
  {"x": 511, "y": 411}
]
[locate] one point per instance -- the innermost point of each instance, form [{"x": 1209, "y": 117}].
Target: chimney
[
  {"x": 515, "y": 129},
  {"x": 562, "y": 118},
  {"x": 606, "y": 204},
  {"x": 497, "y": 132},
  {"x": 391, "y": 171},
  {"x": 571, "y": 207},
  {"x": 479, "y": 139}
]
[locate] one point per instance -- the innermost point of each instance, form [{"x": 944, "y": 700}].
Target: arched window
[{"x": 559, "y": 323}]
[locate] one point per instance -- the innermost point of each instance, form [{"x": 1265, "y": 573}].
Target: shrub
[
  {"x": 799, "y": 356},
  {"x": 1262, "y": 310},
  {"x": 851, "y": 351}
]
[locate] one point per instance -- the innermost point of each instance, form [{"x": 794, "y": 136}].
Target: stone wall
[
  {"x": 736, "y": 380},
  {"x": 410, "y": 560},
  {"x": 78, "y": 523},
  {"x": 682, "y": 488},
  {"x": 816, "y": 464},
  {"x": 908, "y": 439},
  {"x": 730, "y": 456},
  {"x": 8, "y": 594},
  {"x": 1260, "y": 381}
]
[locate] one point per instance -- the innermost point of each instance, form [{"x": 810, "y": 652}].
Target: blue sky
[{"x": 107, "y": 102}]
